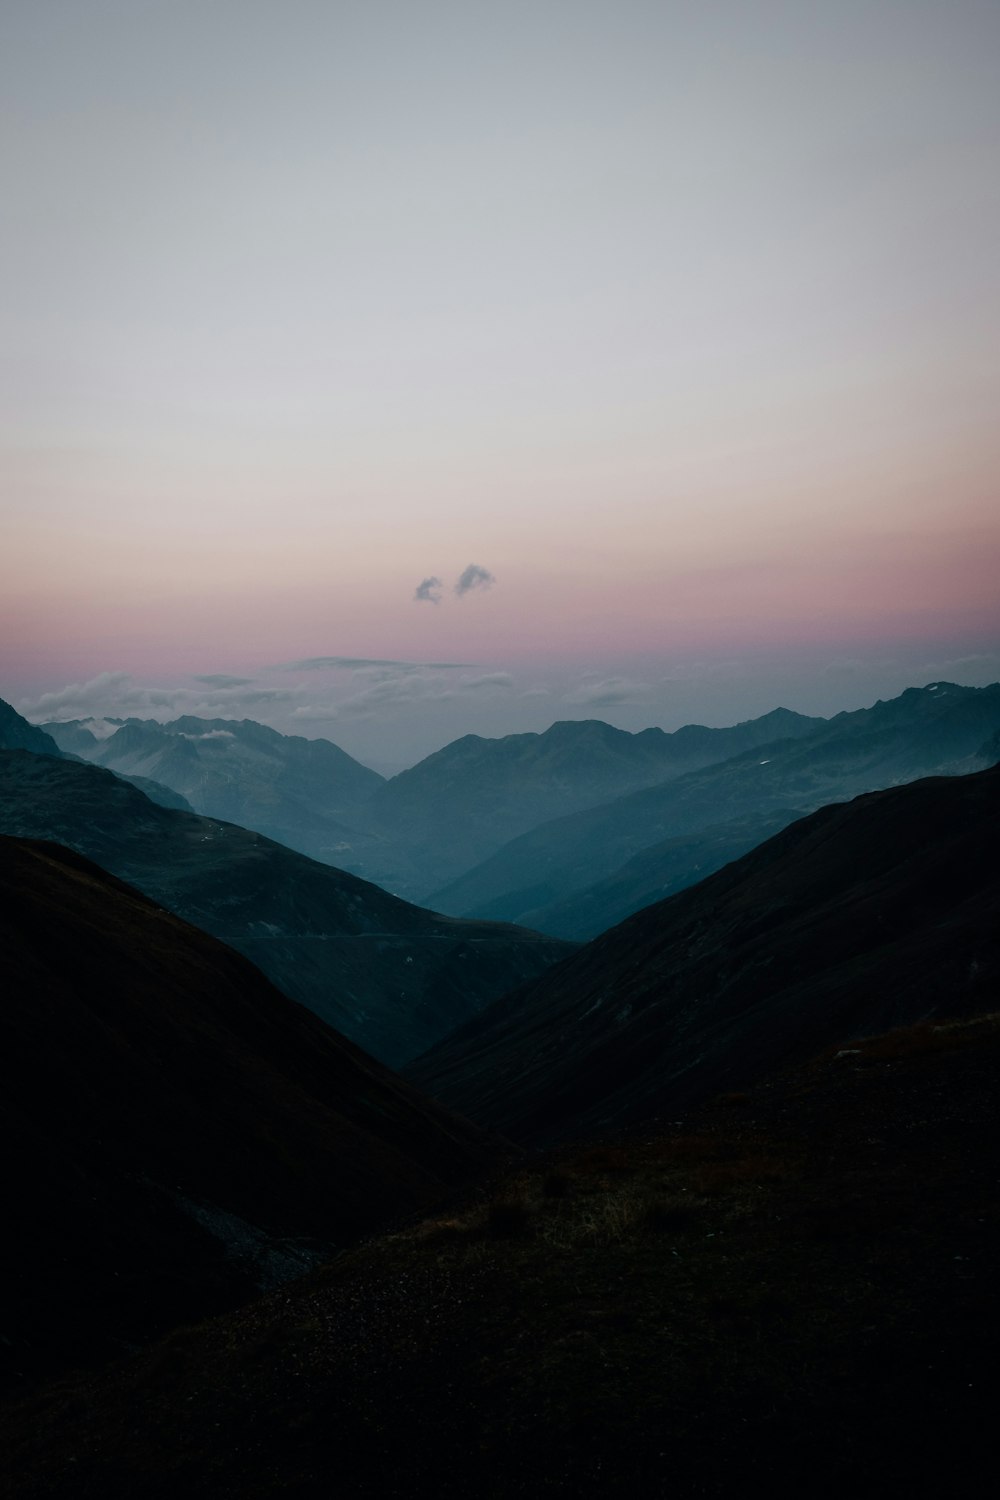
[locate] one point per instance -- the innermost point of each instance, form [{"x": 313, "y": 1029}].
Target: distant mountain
[
  {"x": 464, "y": 802},
  {"x": 173, "y": 1126},
  {"x": 387, "y": 974},
  {"x": 17, "y": 734},
  {"x": 563, "y": 864},
  {"x": 652, "y": 875},
  {"x": 879, "y": 912},
  {"x": 163, "y": 796},
  {"x": 303, "y": 793}
]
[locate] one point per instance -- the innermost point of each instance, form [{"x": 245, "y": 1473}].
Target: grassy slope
[{"x": 793, "y": 1291}]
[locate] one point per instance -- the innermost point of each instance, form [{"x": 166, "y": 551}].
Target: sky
[{"x": 400, "y": 369}]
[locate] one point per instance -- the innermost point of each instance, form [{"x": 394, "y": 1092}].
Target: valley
[{"x": 641, "y": 1213}]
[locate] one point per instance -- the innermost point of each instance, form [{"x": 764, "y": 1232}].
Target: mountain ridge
[
  {"x": 861, "y": 915},
  {"x": 384, "y": 972},
  {"x": 922, "y": 732}
]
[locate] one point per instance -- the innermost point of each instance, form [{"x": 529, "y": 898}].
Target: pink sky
[{"x": 699, "y": 364}]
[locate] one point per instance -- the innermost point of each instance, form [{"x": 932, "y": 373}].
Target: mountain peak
[{"x": 17, "y": 734}]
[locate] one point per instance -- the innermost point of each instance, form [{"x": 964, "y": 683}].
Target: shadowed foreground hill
[
  {"x": 389, "y": 975},
  {"x": 793, "y": 1294},
  {"x": 863, "y": 915},
  {"x": 171, "y": 1121}
]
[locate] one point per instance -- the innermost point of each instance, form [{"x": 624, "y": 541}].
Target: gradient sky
[{"x": 679, "y": 322}]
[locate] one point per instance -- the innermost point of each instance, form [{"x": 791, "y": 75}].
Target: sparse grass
[
  {"x": 686, "y": 1315},
  {"x": 922, "y": 1039}
]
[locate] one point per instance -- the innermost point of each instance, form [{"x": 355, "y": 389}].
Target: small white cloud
[
  {"x": 489, "y": 682},
  {"x": 362, "y": 663},
  {"x": 695, "y": 671},
  {"x": 428, "y": 591},
  {"x": 608, "y": 693},
  {"x": 474, "y": 577},
  {"x": 114, "y": 694},
  {"x": 101, "y": 729},
  {"x": 80, "y": 700},
  {"x": 315, "y": 712}
]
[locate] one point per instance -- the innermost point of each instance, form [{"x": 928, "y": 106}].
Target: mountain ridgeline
[
  {"x": 296, "y": 791},
  {"x": 568, "y": 831},
  {"x": 575, "y": 876},
  {"x": 428, "y": 824},
  {"x": 859, "y": 917},
  {"x": 389, "y": 975},
  {"x": 463, "y": 803}
]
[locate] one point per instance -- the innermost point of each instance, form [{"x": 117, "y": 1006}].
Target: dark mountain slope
[
  {"x": 467, "y": 800},
  {"x": 795, "y": 1294},
  {"x": 17, "y": 734},
  {"x": 861, "y": 916},
  {"x": 389, "y": 975},
  {"x": 169, "y": 1120},
  {"x": 303, "y": 793},
  {"x": 926, "y": 731}
]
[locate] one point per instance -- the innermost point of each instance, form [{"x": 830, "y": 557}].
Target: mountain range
[
  {"x": 568, "y": 876},
  {"x": 429, "y": 823},
  {"x": 296, "y": 791},
  {"x": 457, "y": 807},
  {"x": 390, "y": 975},
  {"x": 543, "y": 829},
  {"x": 744, "y": 1237}
]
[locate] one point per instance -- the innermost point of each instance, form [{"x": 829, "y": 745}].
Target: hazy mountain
[
  {"x": 464, "y": 802},
  {"x": 389, "y": 975},
  {"x": 171, "y": 1121},
  {"x": 926, "y": 731},
  {"x": 793, "y": 1293},
  {"x": 163, "y": 796},
  {"x": 303, "y": 793},
  {"x": 863, "y": 915},
  {"x": 652, "y": 875}
]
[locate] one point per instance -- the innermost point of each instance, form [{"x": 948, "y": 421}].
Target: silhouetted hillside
[
  {"x": 173, "y": 1126},
  {"x": 863, "y": 915}
]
